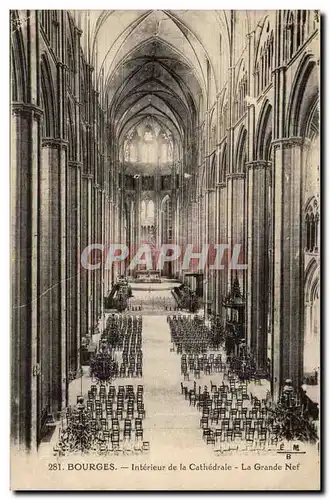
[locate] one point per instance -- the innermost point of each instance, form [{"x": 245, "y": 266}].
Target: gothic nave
[{"x": 139, "y": 129}]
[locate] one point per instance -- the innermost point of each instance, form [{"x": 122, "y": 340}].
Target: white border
[{"x": 322, "y": 5}]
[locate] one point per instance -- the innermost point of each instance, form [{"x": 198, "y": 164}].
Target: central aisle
[{"x": 171, "y": 424}]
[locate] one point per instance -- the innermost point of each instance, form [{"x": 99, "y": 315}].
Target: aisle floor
[{"x": 171, "y": 425}]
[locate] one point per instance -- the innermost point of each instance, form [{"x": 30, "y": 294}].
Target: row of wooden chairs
[{"x": 189, "y": 336}]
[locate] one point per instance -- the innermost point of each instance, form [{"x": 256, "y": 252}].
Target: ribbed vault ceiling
[{"x": 155, "y": 65}]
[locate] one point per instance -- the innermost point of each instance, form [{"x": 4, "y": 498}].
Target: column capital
[
  {"x": 50, "y": 142},
  {"x": 282, "y": 67},
  {"x": 62, "y": 65},
  {"x": 258, "y": 165},
  {"x": 236, "y": 175},
  {"x": 75, "y": 164},
  {"x": 21, "y": 108},
  {"x": 288, "y": 143},
  {"x": 78, "y": 31},
  {"x": 221, "y": 185},
  {"x": 98, "y": 187},
  {"x": 90, "y": 67},
  {"x": 86, "y": 175},
  {"x": 76, "y": 100}
]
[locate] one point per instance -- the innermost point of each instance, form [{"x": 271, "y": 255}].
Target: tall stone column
[
  {"x": 89, "y": 242},
  {"x": 78, "y": 167},
  {"x": 212, "y": 223},
  {"x": 73, "y": 265},
  {"x": 235, "y": 220},
  {"x": 132, "y": 233},
  {"x": 222, "y": 239},
  {"x": 61, "y": 144},
  {"x": 95, "y": 239},
  {"x": 25, "y": 159},
  {"x": 62, "y": 151},
  {"x": 288, "y": 289},
  {"x": 86, "y": 237},
  {"x": 200, "y": 208},
  {"x": 53, "y": 341},
  {"x": 79, "y": 250},
  {"x": 217, "y": 241},
  {"x": 249, "y": 207},
  {"x": 178, "y": 235},
  {"x": 49, "y": 348},
  {"x": 111, "y": 237},
  {"x": 205, "y": 237},
  {"x": 230, "y": 179},
  {"x": 104, "y": 242},
  {"x": 259, "y": 173}
]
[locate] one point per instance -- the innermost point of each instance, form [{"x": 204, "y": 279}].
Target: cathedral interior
[{"x": 161, "y": 127}]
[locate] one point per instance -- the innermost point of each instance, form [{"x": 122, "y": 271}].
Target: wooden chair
[
  {"x": 139, "y": 434},
  {"x": 229, "y": 434},
  {"x": 225, "y": 424},
  {"x": 210, "y": 439},
  {"x": 204, "y": 422},
  {"x": 146, "y": 446},
  {"x": 238, "y": 434},
  {"x": 249, "y": 438}
]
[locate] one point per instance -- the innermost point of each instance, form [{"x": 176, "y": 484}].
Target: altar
[{"x": 147, "y": 276}]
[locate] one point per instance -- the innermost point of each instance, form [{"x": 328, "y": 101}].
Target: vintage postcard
[{"x": 165, "y": 243}]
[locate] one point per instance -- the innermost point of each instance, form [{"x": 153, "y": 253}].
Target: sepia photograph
[{"x": 165, "y": 250}]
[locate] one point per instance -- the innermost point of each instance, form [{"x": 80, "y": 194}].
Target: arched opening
[
  {"x": 147, "y": 218},
  {"x": 241, "y": 151},
  {"x": 261, "y": 229},
  {"x": 264, "y": 133},
  {"x": 306, "y": 115},
  {"x": 17, "y": 60},
  {"x": 223, "y": 164},
  {"x": 311, "y": 351},
  {"x": 303, "y": 98},
  {"x": 47, "y": 99},
  {"x": 71, "y": 133},
  {"x": 166, "y": 231}
]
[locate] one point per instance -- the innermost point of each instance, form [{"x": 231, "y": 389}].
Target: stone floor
[
  {"x": 171, "y": 425},
  {"x": 170, "y": 422}
]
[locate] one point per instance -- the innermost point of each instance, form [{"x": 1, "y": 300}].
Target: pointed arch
[
  {"x": 47, "y": 97},
  {"x": 241, "y": 150},
  {"x": 264, "y": 132},
  {"x": 143, "y": 209},
  {"x": 312, "y": 279},
  {"x": 304, "y": 94},
  {"x": 213, "y": 130},
  {"x": 165, "y": 199},
  {"x": 213, "y": 172},
  {"x": 71, "y": 132},
  {"x": 312, "y": 220},
  {"x": 17, "y": 61},
  {"x": 223, "y": 164}
]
